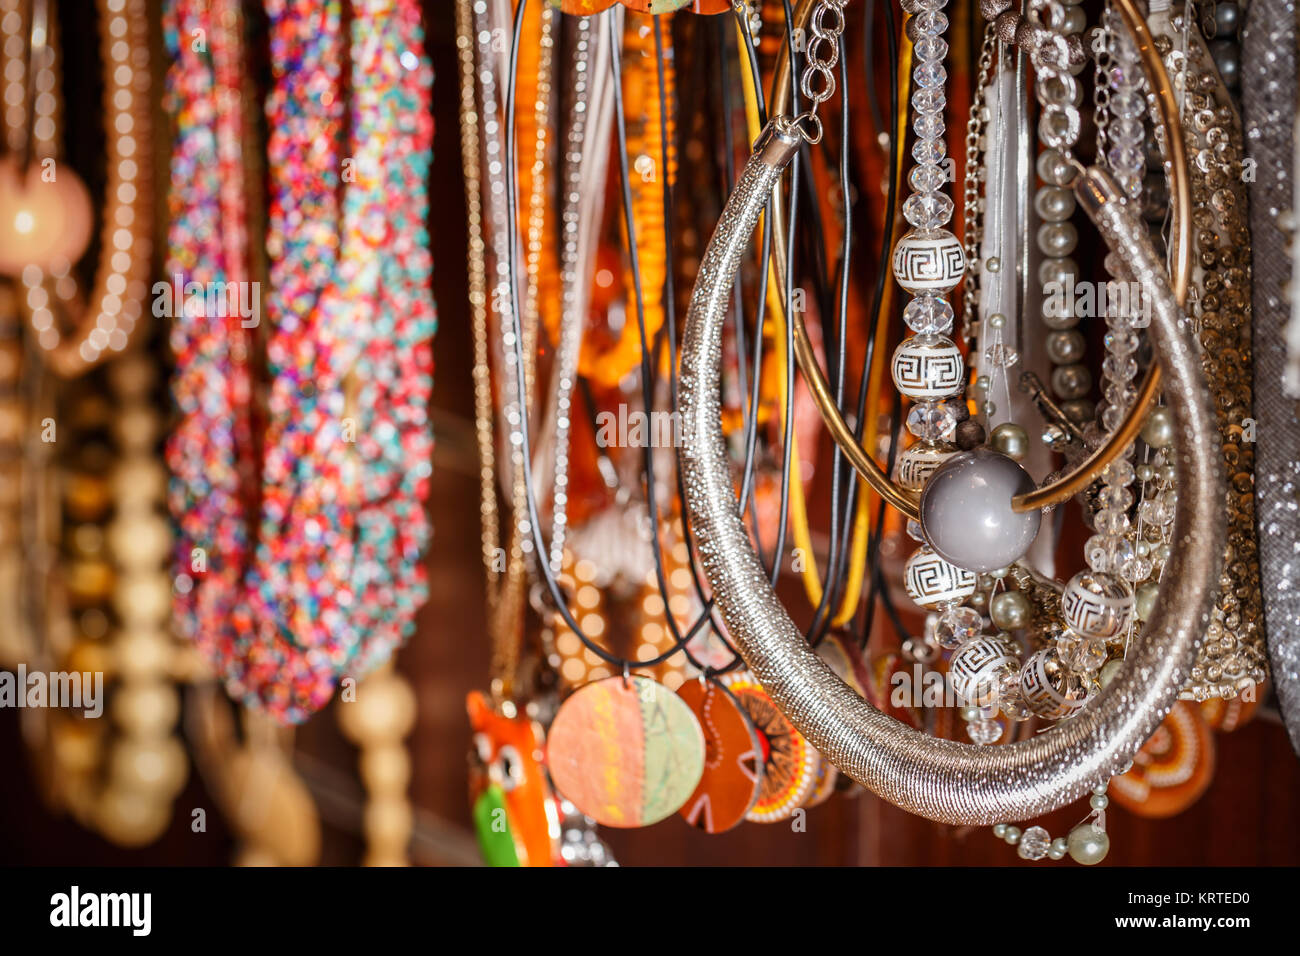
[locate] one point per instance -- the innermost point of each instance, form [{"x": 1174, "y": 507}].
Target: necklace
[
  {"x": 104, "y": 325},
  {"x": 330, "y": 576}
]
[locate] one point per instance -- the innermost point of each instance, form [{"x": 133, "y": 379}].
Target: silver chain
[
  {"x": 972, "y": 221},
  {"x": 1057, "y": 89},
  {"x": 817, "y": 82}
]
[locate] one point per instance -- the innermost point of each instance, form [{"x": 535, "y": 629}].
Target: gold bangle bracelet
[{"x": 1070, "y": 484}]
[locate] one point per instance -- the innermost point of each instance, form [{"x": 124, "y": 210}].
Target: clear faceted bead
[
  {"x": 929, "y": 150},
  {"x": 1118, "y": 394},
  {"x": 1126, "y": 157},
  {"x": 1107, "y": 552},
  {"x": 1120, "y": 472},
  {"x": 956, "y": 626},
  {"x": 930, "y": 48},
  {"x": 1110, "y": 521},
  {"x": 984, "y": 732},
  {"x": 930, "y": 75},
  {"x": 1086, "y": 655},
  {"x": 1113, "y": 496},
  {"x": 929, "y": 101},
  {"x": 1121, "y": 343},
  {"x": 927, "y": 210},
  {"x": 1001, "y": 356},
  {"x": 927, "y": 178},
  {"x": 932, "y": 421},
  {"x": 1119, "y": 368},
  {"x": 1153, "y": 511},
  {"x": 931, "y": 23},
  {"x": 1034, "y": 844},
  {"x": 928, "y": 125},
  {"x": 1128, "y": 130},
  {"x": 928, "y": 314},
  {"x": 1135, "y": 570},
  {"x": 1127, "y": 104}
]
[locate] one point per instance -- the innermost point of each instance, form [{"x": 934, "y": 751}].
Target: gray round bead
[
  {"x": 1226, "y": 18},
  {"x": 1071, "y": 381},
  {"x": 1065, "y": 346},
  {"x": 1054, "y": 203},
  {"x": 1053, "y": 168},
  {"x": 1057, "y": 238},
  {"x": 966, "y": 513}
]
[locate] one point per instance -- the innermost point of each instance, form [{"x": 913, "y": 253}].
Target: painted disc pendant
[
  {"x": 733, "y": 758},
  {"x": 789, "y": 761},
  {"x": 627, "y": 752}
]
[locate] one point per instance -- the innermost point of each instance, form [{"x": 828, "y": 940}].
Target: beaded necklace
[{"x": 335, "y": 576}]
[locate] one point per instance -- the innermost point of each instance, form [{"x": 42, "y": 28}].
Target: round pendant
[
  {"x": 789, "y": 761},
  {"x": 733, "y": 758},
  {"x": 627, "y": 752},
  {"x": 824, "y": 781}
]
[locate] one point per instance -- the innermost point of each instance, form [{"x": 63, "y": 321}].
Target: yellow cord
[{"x": 798, "y": 503}]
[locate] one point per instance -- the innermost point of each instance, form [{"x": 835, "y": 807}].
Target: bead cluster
[
  {"x": 1087, "y": 843},
  {"x": 334, "y": 576},
  {"x": 1233, "y": 656}
]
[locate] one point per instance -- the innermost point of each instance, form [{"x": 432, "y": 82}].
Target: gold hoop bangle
[{"x": 1068, "y": 485}]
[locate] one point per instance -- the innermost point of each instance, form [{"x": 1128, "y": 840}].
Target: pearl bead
[
  {"x": 1074, "y": 20},
  {"x": 1088, "y": 844},
  {"x": 1011, "y": 440},
  {"x": 1009, "y": 610},
  {"x": 1012, "y": 835},
  {"x": 1058, "y": 848},
  {"x": 993, "y": 264},
  {"x": 1053, "y": 168},
  {"x": 1058, "y": 269},
  {"x": 1144, "y": 600},
  {"x": 966, "y": 513},
  {"x": 1071, "y": 381},
  {"x": 1054, "y": 203},
  {"x": 1065, "y": 346},
  {"x": 1099, "y": 801},
  {"x": 1158, "y": 431},
  {"x": 1226, "y": 59},
  {"x": 1226, "y": 18},
  {"x": 999, "y": 830},
  {"x": 1057, "y": 238},
  {"x": 997, "y": 320}
]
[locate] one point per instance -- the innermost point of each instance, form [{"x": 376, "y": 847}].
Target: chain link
[
  {"x": 817, "y": 82},
  {"x": 1056, "y": 89},
  {"x": 972, "y": 221}
]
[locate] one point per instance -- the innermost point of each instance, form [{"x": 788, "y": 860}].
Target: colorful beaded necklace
[{"x": 333, "y": 581}]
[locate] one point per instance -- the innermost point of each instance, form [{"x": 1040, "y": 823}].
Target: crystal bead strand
[{"x": 928, "y": 263}]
